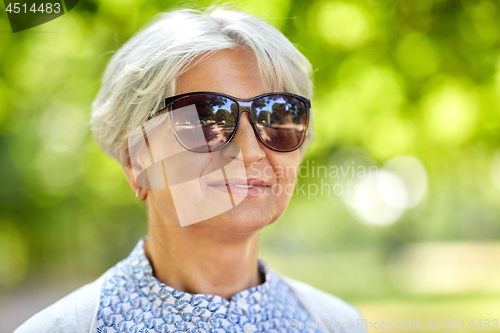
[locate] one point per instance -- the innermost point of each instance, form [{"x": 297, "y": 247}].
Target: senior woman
[{"x": 207, "y": 112}]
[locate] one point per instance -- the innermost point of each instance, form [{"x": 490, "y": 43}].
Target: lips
[
  {"x": 239, "y": 186},
  {"x": 241, "y": 183}
]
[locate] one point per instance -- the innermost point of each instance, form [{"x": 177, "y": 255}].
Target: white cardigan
[{"x": 76, "y": 312}]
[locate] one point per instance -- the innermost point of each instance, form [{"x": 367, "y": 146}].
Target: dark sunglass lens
[
  {"x": 281, "y": 120},
  {"x": 204, "y": 122}
]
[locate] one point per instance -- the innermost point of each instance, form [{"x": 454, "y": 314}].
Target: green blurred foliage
[{"x": 395, "y": 78}]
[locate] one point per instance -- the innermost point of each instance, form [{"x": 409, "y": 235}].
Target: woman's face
[{"x": 194, "y": 190}]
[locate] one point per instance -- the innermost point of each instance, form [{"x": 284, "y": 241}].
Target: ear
[{"x": 127, "y": 169}]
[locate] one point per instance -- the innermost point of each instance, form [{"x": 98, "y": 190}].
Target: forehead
[{"x": 233, "y": 72}]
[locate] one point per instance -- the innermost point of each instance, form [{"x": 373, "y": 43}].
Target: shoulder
[
  {"x": 72, "y": 313},
  {"x": 326, "y": 308}
]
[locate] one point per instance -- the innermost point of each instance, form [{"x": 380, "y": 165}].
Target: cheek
[
  {"x": 161, "y": 202},
  {"x": 186, "y": 167},
  {"x": 286, "y": 167}
]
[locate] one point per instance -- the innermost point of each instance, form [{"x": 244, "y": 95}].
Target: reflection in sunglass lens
[
  {"x": 204, "y": 122},
  {"x": 281, "y": 120}
]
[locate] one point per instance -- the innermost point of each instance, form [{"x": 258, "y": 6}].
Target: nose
[{"x": 247, "y": 140}]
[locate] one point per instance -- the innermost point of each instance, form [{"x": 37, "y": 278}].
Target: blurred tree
[{"x": 222, "y": 116}]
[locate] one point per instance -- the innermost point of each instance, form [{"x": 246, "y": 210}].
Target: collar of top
[{"x": 251, "y": 300}]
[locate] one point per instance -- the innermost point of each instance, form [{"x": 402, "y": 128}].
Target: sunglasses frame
[{"x": 169, "y": 101}]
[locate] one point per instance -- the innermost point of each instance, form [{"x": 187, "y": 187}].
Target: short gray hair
[{"x": 146, "y": 68}]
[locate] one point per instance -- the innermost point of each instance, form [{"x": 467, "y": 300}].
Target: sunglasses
[{"x": 207, "y": 121}]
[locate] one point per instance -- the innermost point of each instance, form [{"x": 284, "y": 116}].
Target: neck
[{"x": 202, "y": 260}]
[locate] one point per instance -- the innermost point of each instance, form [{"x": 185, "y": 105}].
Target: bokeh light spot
[
  {"x": 343, "y": 24},
  {"x": 417, "y": 56},
  {"x": 414, "y": 175},
  {"x": 450, "y": 114}
]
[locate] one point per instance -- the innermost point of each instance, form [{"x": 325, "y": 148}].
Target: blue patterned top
[{"x": 133, "y": 300}]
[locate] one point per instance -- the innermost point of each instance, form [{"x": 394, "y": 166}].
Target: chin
[{"x": 242, "y": 219}]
